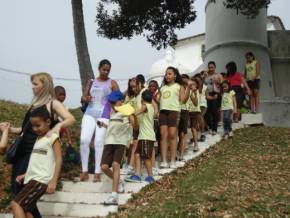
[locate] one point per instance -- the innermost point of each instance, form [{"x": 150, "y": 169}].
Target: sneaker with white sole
[
  {"x": 121, "y": 187},
  {"x": 112, "y": 200},
  {"x": 155, "y": 171},
  {"x": 164, "y": 165},
  {"x": 173, "y": 165},
  {"x": 231, "y": 134},
  {"x": 134, "y": 178},
  {"x": 127, "y": 171}
]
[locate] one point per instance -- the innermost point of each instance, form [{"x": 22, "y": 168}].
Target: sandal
[
  {"x": 84, "y": 176},
  {"x": 97, "y": 177}
]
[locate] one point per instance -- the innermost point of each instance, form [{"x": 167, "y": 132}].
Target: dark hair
[
  {"x": 147, "y": 96},
  {"x": 178, "y": 78},
  {"x": 40, "y": 112},
  {"x": 250, "y": 54},
  {"x": 228, "y": 83},
  {"x": 196, "y": 81},
  {"x": 231, "y": 68},
  {"x": 140, "y": 79},
  {"x": 198, "y": 75},
  {"x": 223, "y": 74},
  {"x": 211, "y": 62},
  {"x": 130, "y": 92},
  {"x": 58, "y": 89},
  {"x": 104, "y": 62},
  {"x": 155, "y": 82}
]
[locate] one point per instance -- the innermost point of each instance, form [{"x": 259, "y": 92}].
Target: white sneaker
[
  {"x": 231, "y": 134},
  {"x": 164, "y": 165},
  {"x": 121, "y": 187},
  {"x": 112, "y": 200},
  {"x": 129, "y": 170},
  {"x": 172, "y": 165},
  {"x": 155, "y": 171}
]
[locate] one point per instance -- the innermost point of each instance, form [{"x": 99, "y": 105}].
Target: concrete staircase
[{"x": 85, "y": 199}]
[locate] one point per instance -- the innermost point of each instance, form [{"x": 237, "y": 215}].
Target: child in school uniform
[
  {"x": 146, "y": 139},
  {"x": 228, "y": 107},
  {"x": 44, "y": 166},
  {"x": 194, "y": 112},
  {"x": 118, "y": 136}
]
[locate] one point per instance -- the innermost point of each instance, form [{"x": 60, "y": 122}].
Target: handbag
[{"x": 12, "y": 151}]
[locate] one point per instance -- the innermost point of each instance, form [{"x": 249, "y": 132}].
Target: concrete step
[
  {"x": 82, "y": 198},
  {"x": 75, "y": 210},
  {"x": 100, "y": 187},
  {"x": 252, "y": 119}
]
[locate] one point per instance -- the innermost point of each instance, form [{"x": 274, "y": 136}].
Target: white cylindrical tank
[{"x": 230, "y": 35}]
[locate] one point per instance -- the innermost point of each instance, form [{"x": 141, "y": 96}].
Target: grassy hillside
[{"x": 14, "y": 113}]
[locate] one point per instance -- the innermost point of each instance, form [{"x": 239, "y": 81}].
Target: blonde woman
[{"x": 43, "y": 91}]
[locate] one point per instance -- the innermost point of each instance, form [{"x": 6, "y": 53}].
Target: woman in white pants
[{"x": 98, "y": 109}]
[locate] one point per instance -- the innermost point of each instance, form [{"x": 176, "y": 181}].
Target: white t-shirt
[{"x": 41, "y": 165}]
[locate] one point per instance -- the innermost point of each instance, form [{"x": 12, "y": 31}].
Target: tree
[
  {"x": 158, "y": 19},
  {"x": 249, "y": 8},
  {"x": 85, "y": 67}
]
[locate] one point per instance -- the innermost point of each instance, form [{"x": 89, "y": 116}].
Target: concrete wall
[
  {"x": 279, "y": 45},
  {"x": 230, "y": 35}
]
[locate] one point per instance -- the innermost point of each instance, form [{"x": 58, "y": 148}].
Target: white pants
[{"x": 89, "y": 127}]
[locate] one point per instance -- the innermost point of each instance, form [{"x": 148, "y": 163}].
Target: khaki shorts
[
  {"x": 194, "y": 119},
  {"x": 112, "y": 153},
  {"x": 30, "y": 194},
  {"x": 169, "y": 118},
  {"x": 145, "y": 149}
]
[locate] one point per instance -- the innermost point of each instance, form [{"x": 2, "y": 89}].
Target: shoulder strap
[{"x": 52, "y": 111}]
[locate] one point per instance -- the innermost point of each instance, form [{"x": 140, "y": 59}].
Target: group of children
[{"x": 144, "y": 120}]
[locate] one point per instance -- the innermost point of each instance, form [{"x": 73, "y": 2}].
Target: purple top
[{"x": 99, "y": 107}]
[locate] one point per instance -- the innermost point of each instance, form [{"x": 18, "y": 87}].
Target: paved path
[{"x": 85, "y": 199}]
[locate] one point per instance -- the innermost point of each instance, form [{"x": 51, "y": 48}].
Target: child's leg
[
  {"x": 116, "y": 176},
  {"x": 106, "y": 169},
  {"x": 148, "y": 165},
  {"x": 132, "y": 152},
  {"x": 29, "y": 215},
  {"x": 107, "y": 160},
  {"x": 173, "y": 142},
  {"x": 153, "y": 159},
  {"x": 17, "y": 210},
  {"x": 194, "y": 135},
  {"x": 164, "y": 139},
  {"x": 137, "y": 164}
]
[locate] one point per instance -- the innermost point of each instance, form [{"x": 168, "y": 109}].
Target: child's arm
[
  {"x": 193, "y": 98},
  {"x": 184, "y": 93},
  {"x": 156, "y": 108},
  {"x": 235, "y": 103},
  {"x": 58, "y": 162},
  {"x": 142, "y": 110},
  {"x": 133, "y": 121},
  {"x": 4, "y": 139}
]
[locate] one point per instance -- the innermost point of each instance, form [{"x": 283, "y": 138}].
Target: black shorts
[
  {"x": 254, "y": 84},
  {"x": 240, "y": 96},
  {"x": 30, "y": 194}
]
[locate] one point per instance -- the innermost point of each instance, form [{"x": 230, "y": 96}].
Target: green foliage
[
  {"x": 249, "y": 8},
  {"x": 155, "y": 19}
]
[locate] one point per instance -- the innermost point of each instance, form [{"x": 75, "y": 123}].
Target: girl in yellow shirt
[{"x": 173, "y": 94}]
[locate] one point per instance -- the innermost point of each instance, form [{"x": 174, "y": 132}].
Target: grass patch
[{"x": 248, "y": 176}]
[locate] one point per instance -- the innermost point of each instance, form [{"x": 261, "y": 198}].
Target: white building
[{"x": 188, "y": 54}]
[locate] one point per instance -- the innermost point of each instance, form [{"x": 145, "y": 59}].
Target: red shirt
[{"x": 236, "y": 79}]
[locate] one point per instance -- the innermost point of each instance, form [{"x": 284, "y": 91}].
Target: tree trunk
[{"x": 85, "y": 67}]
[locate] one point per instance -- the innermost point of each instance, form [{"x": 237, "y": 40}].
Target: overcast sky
[{"x": 37, "y": 35}]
